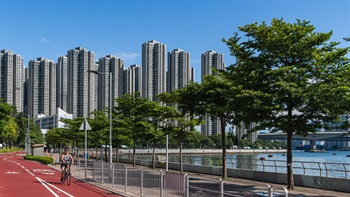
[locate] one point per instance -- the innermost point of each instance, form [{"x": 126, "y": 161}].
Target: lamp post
[
  {"x": 110, "y": 111},
  {"x": 27, "y": 139}
]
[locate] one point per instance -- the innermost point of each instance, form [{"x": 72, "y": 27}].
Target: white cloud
[
  {"x": 195, "y": 61},
  {"x": 129, "y": 58},
  {"x": 43, "y": 39}
]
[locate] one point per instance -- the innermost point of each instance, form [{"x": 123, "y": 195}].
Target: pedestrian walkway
[{"x": 238, "y": 187}]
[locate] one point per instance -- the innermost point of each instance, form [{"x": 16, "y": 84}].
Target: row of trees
[
  {"x": 13, "y": 127},
  {"x": 287, "y": 77}
]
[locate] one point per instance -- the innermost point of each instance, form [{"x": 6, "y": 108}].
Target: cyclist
[{"x": 67, "y": 161}]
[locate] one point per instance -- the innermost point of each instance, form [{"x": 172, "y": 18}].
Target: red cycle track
[{"x": 19, "y": 177}]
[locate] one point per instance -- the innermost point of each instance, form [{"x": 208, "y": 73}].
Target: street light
[
  {"x": 27, "y": 139},
  {"x": 110, "y": 110}
]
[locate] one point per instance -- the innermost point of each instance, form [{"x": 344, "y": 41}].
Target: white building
[
  {"x": 61, "y": 82},
  {"x": 210, "y": 60},
  {"x": 80, "y": 82},
  {"x": 109, "y": 65},
  {"x": 42, "y": 87},
  {"x": 153, "y": 69},
  {"x": 179, "y": 70},
  {"x": 133, "y": 79},
  {"x": 54, "y": 121},
  {"x": 12, "y": 79}
]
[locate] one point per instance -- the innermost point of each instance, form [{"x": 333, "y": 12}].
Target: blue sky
[{"x": 48, "y": 28}]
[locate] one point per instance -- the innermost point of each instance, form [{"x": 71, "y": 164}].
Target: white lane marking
[
  {"x": 30, "y": 172},
  {"x": 46, "y": 187},
  {"x": 12, "y": 172},
  {"x": 46, "y": 183},
  {"x": 56, "y": 188}
]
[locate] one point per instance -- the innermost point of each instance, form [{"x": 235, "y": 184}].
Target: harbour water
[{"x": 328, "y": 164}]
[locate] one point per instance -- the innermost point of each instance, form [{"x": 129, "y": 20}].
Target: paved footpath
[
  {"x": 235, "y": 186},
  {"x": 19, "y": 177}
]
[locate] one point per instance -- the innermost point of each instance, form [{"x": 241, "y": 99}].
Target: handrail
[{"x": 327, "y": 169}]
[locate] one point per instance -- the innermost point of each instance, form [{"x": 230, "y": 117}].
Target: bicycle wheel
[
  {"x": 64, "y": 178},
  {"x": 69, "y": 178}
]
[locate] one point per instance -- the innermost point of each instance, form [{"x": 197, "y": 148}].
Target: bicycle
[{"x": 67, "y": 176}]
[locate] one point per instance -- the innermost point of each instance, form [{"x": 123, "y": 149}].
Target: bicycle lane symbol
[{"x": 44, "y": 183}]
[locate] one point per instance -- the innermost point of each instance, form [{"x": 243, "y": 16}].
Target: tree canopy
[{"x": 298, "y": 74}]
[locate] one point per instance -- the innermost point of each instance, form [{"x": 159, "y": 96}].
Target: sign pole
[
  {"x": 85, "y": 126},
  {"x": 85, "y": 155}
]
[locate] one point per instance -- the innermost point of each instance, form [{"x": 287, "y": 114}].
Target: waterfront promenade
[
  {"x": 202, "y": 151},
  {"x": 207, "y": 183}
]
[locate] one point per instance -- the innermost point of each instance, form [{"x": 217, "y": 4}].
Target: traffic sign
[{"x": 85, "y": 125}]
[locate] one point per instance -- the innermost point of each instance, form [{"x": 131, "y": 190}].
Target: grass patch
[
  {"x": 41, "y": 159},
  {"x": 10, "y": 150}
]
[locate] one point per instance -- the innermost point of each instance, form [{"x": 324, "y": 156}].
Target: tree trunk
[
  {"x": 134, "y": 154},
  {"x": 223, "y": 139},
  {"x": 154, "y": 156},
  {"x": 290, "y": 179},
  {"x": 181, "y": 167}
]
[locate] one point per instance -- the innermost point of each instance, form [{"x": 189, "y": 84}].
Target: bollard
[
  {"x": 141, "y": 184},
  {"x": 286, "y": 191},
  {"x": 126, "y": 179},
  {"x": 269, "y": 191},
  {"x": 79, "y": 167},
  {"x": 187, "y": 185},
  {"x": 221, "y": 188},
  {"x": 93, "y": 171},
  {"x": 101, "y": 172},
  {"x": 161, "y": 183},
  {"x": 113, "y": 176}
]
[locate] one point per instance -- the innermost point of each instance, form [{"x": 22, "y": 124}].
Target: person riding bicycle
[{"x": 67, "y": 161}]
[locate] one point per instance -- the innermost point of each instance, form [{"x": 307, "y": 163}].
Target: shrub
[{"x": 42, "y": 159}]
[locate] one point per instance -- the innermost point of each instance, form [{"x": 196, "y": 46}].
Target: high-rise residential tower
[
  {"x": 179, "y": 70},
  {"x": 11, "y": 78},
  {"x": 192, "y": 78},
  {"x": 42, "y": 87},
  {"x": 61, "y": 82},
  {"x": 80, "y": 82},
  {"x": 109, "y": 66},
  {"x": 153, "y": 69},
  {"x": 133, "y": 79},
  {"x": 210, "y": 60}
]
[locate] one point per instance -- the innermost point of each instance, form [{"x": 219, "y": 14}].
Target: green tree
[
  {"x": 303, "y": 77},
  {"x": 181, "y": 129},
  {"x": 206, "y": 141},
  {"x": 99, "y": 129},
  {"x": 56, "y": 137},
  {"x": 158, "y": 115},
  {"x": 72, "y": 134},
  {"x": 131, "y": 113},
  {"x": 8, "y": 126},
  {"x": 219, "y": 98},
  {"x": 22, "y": 123},
  {"x": 36, "y": 136}
]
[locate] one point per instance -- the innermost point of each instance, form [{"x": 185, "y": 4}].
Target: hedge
[{"x": 43, "y": 159}]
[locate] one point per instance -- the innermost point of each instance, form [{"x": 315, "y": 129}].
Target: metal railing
[
  {"x": 322, "y": 169},
  {"x": 137, "y": 181}
]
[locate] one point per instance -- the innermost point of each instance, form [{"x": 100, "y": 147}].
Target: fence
[
  {"x": 321, "y": 169},
  {"x": 141, "y": 182}
]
